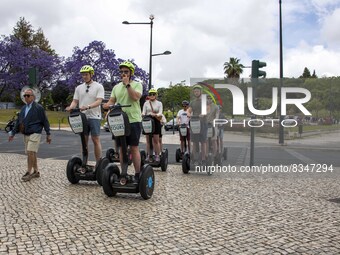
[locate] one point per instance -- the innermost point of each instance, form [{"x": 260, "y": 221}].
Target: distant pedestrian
[{"x": 32, "y": 119}]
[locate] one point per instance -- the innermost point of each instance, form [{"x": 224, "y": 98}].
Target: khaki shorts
[{"x": 32, "y": 142}]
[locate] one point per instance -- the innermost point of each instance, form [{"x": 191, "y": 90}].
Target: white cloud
[{"x": 201, "y": 35}]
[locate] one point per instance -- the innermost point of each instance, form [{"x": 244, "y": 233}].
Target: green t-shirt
[{"x": 120, "y": 93}]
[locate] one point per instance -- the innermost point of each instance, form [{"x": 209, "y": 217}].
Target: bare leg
[
  {"x": 135, "y": 158},
  {"x": 97, "y": 147}
]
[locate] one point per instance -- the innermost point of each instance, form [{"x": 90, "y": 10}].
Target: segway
[
  {"x": 11, "y": 123},
  {"x": 116, "y": 181},
  {"x": 183, "y": 130},
  {"x": 77, "y": 169},
  {"x": 193, "y": 159},
  {"x": 113, "y": 155},
  {"x": 148, "y": 126}
]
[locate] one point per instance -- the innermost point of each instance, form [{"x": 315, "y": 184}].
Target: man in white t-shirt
[
  {"x": 88, "y": 97},
  {"x": 183, "y": 117}
]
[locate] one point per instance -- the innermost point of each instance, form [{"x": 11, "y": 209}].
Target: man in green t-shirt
[{"x": 129, "y": 92}]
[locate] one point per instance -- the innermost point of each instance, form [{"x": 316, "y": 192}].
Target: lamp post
[
  {"x": 281, "y": 131},
  {"x": 151, "y": 17},
  {"x": 164, "y": 53}
]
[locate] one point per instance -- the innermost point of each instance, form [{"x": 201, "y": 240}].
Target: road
[
  {"x": 321, "y": 149},
  {"x": 224, "y": 213}
]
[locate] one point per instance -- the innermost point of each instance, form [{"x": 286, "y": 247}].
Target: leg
[
  {"x": 31, "y": 160},
  {"x": 135, "y": 158},
  {"x": 148, "y": 152},
  {"x": 97, "y": 147},
  {"x": 156, "y": 144}
]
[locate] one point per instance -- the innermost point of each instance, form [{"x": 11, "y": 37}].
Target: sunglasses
[
  {"x": 124, "y": 72},
  {"x": 27, "y": 95},
  {"x": 87, "y": 88},
  {"x": 152, "y": 94}
]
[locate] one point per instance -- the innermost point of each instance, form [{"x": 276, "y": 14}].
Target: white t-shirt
[
  {"x": 156, "y": 105},
  {"x": 183, "y": 116},
  {"x": 95, "y": 90}
]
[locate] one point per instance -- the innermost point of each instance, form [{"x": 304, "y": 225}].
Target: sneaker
[
  {"x": 157, "y": 159},
  {"x": 136, "y": 179},
  {"x": 26, "y": 177},
  {"x": 35, "y": 175}
]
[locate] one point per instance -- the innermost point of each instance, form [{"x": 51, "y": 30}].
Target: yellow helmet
[
  {"x": 153, "y": 91},
  {"x": 87, "y": 69}
]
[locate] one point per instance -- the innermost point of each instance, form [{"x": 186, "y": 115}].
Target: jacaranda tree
[
  {"x": 16, "y": 60},
  {"x": 104, "y": 62}
]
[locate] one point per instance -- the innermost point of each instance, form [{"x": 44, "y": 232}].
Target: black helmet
[{"x": 185, "y": 103}]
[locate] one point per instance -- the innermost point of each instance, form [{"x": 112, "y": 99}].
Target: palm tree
[{"x": 233, "y": 68}]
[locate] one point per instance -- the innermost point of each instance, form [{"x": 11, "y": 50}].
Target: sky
[{"x": 202, "y": 35}]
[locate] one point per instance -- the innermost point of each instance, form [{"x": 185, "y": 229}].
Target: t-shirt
[
  {"x": 183, "y": 117},
  {"x": 212, "y": 113},
  {"x": 121, "y": 96},
  {"x": 95, "y": 90},
  {"x": 157, "y": 107}
]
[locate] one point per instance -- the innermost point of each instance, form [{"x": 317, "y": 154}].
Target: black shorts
[
  {"x": 133, "y": 138},
  {"x": 158, "y": 126}
]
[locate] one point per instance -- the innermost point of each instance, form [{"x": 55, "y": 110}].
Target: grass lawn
[{"x": 53, "y": 117}]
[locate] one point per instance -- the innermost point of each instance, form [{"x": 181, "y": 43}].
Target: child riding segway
[
  {"x": 184, "y": 132},
  {"x": 151, "y": 123},
  {"x": 78, "y": 169},
  {"x": 119, "y": 181}
]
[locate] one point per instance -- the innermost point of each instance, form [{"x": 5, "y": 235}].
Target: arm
[
  {"x": 144, "y": 108},
  {"x": 96, "y": 103},
  {"x": 160, "y": 112},
  {"x": 111, "y": 101},
  {"x": 72, "y": 105},
  {"x": 133, "y": 94}
]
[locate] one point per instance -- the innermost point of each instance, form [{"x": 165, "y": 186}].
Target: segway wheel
[
  {"x": 164, "y": 160},
  {"x": 147, "y": 182},
  {"x": 225, "y": 153},
  {"x": 178, "y": 155},
  {"x": 142, "y": 157},
  {"x": 110, "y": 154},
  {"x": 186, "y": 163},
  {"x": 110, "y": 173},
  {"x": 102, "y": 164},
  {"x": 72, "y": 166}
]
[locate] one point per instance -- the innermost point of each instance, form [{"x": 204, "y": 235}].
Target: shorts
[
  {"x": 32, "y": 142},
  {"x": 133, "y": 138},
  {"x": 93, "y": 127},
  {"x": 158, "y": 126},
  {"x": 183, "y": 138}
]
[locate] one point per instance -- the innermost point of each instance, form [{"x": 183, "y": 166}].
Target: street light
[
  {"x": 164, "y": 53},
  {"x": 151, "y": 17}
]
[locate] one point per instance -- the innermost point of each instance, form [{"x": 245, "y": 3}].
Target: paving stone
[{"x": 188, "y": 214}]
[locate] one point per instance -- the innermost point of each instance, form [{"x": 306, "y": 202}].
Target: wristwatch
[
  {"x": 89, "y": 107},
  {"x": 128, "y": 86}
]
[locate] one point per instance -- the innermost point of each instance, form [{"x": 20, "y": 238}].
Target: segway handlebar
[{"x": 118, "y": 106}]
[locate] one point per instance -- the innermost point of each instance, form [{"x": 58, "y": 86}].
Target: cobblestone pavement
[{"x": 188, "y": 214}]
